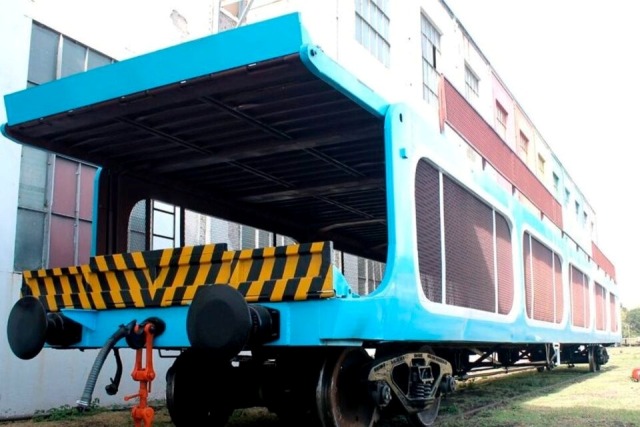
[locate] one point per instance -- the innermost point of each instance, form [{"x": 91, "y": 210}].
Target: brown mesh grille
[
  {"x": 601, "y": 307},
  {"x": 505, "y": 265},
  {"x": 428, "y": 228},
  {"x": 579, "y": 298},
  {"x": 613, "y": 313},
  {"x": 528, "y": 278},
  {"x": 557, "y": 267},
  {"x": 543, "y": 281},
  {"x": 543, "y": 291},
  {"x": 471, "y": 256},
  {"x": 468, "y": 231}
]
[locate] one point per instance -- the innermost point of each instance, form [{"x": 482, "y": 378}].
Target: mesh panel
[
  {"x": 219, "y": 231},
  {"x": 470, "y": 275},
  {"x": 557, "y": 268},
  {"x": 370, "y": 275},
  {"x": 248, "y": 237},
  {"x": 235, "y": 232},
  {"x": 428, "y": 229},
  {"x": 543, "y": 295},
  {"x": 528, "y": 279},
  {"x": 543, "y": 281},
  {"x": 613, "y": 312},
  {"x": 265, "y": 239},
  {"x": 505, "y": 265},
  {"x": 579, "y": 295},
  {"x": 195, "y": 229},
  {"x": 601, "y": 307},
  {"x": 350, "y": 270},
  {"x": 137, "y": 227}
]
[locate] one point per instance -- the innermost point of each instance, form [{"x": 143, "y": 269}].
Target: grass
[{"x": 564, "y": 397}]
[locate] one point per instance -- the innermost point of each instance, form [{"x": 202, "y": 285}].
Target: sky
[{"x": 572, "y": 67}]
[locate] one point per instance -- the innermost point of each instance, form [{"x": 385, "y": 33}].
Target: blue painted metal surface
[{"x": 277, "y": 37}]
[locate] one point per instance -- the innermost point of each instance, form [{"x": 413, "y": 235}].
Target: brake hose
[
  {"x": 112, "y": 388},
  {"x": 85, "y": 400}
]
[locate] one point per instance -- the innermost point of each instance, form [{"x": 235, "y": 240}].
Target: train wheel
[
  {"x": 426, "y": 417},
  {"x": 429, "y": 415},
  {"x": 593, "y": 362},
  {"x": 342, "y": 395},
  {"x": 192, "y": 399},
  {"x": 289, "y": 391}
]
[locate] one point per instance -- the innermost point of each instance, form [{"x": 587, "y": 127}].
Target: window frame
[
  {"x": 471, "y": 84},
  {"x": 430, "y": 38},
  {"x": 372, "y": 23},
  {"x": 47, "y": 63}
]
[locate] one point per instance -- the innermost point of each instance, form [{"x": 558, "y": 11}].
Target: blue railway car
[{"x": 257, "y": 125}]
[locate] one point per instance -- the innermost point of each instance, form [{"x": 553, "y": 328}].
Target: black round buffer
[
  {"x": 27, "y": 327},
  {"x": 219, "y": 319}
]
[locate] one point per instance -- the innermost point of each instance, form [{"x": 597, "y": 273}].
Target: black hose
[
  {"x": 112, "y": 388},
  {"x": 85, "y": 400}
]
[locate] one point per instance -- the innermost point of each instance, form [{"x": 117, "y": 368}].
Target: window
[
  {"x": 55, "y": 199},
  {"x": 471, "y": 84},
  {"x": 577, "y": 209},
  {"x": 556, "y": 182},
  {"x": 372, "y": 27},
  {"x": 567, "y": 197},
  {"x": 541, "y": 164},
  {"x": 430, "y": 55},
  {"x": 523, "y": 146},
  {"x": 165, "y": 225},
  {"x": 173, "y": 226},
  {"x": 501, "y": 121}
]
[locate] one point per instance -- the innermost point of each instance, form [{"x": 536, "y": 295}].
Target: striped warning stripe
[{"x": 171, "y": 276}]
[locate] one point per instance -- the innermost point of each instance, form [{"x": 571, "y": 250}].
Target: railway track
[{"x": 493, "y": 389}]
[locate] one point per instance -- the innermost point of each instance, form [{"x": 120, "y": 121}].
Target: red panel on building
[
  {"x": 464, "y": 119},
  {"x": 62, "y": 250},
  {"x": 64, "y": 187},
  {"x": 603, "y": 261}
]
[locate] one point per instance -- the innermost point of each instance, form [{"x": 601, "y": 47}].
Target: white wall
[
  {"x": 14, "y": 38},
  {"x": 54, "y": 377}
]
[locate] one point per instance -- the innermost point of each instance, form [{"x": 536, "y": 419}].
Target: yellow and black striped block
[{"x": 171, "y": 276}]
